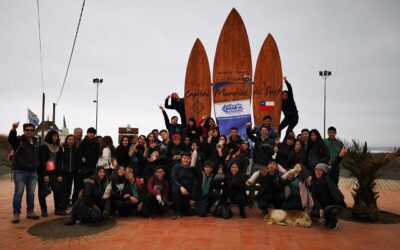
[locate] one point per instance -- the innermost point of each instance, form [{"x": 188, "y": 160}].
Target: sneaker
[
  {"x": 15, "y": 219},
  {"x": 334, "y": 225},
  {"x": 44, "y": 213},
  {"x": 176, "y": 216},
  {"x": 32, "y": 215}
]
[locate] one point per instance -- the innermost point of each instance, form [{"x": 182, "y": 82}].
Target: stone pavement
[{"x": 207, "y": 233}]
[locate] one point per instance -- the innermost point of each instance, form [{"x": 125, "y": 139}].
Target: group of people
[{"x": 188, "y": 167}]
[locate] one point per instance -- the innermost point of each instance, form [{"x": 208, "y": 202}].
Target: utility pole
[
  {"x": 97, "y": 81},
  {"x": 325, "y": 74}
]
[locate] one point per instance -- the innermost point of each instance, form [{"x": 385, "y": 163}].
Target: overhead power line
[
  {"x": 72, "y": 52},
  {"x": 40, "y": 44}
]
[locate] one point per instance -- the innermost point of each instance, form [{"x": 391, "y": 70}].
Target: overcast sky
[{"x": 141, "y": 48}]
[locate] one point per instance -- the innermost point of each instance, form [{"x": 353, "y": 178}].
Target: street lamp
[
  {"x": 97, "y": 81},
  {"x": 325, "y": 74}
]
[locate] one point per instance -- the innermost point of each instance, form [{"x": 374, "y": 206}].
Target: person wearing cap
[
  {"x": 183, "y": 181},
  {"x": 87, "y": 157},
  {"x": 328, "y": 200},
  {"x": 156, "y": 198},
  {"x": 205, "y": 192},
  {"x": 271, "y": 187}
]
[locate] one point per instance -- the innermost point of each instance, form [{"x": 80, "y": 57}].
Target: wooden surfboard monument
[
  {"x": 267, "y": 88},
  {"x": 232, "y": 75},
  {"x": 197, "y": 84},
  {"x": 232, "y": 62}
]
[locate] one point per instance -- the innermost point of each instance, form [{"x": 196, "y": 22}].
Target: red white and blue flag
[{"x": 267, "y": 106}]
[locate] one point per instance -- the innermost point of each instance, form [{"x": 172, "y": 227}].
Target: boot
[
  {"x": 32, "y": 215},
  {"x": 15, "y": 218},
  {"x": 242, "y": 213}
]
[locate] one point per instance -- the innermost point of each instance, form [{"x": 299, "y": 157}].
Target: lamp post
[
  {"x": 97, "y": 81},
  {"x": 325, "y": 74}
]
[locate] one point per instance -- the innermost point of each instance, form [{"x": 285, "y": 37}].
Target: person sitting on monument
[
  {"x": 172, "y": 126},
  {"x": 177, "y": 104},
  {"x": 289, "y": 109}
]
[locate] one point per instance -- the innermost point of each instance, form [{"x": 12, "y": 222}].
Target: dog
[{"x": 292, "y": 217}]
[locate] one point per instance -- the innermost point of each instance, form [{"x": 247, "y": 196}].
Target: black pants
[
  {"x": 204, "y": 205},
  {"x": 292, "y": 203},
  {"x": 151, "y": 205},
  {"x": 56, "y": 188},
  {"x": 235, "y": 198},
  {"x": 181, "y": 202},
  {"x": 78, "y": 184},
  {"x": 67, "y": 179},
  {"x": 290, "y": 122},
  {"x": 265, "y": 200},
  {"x": 124, "y": 207},
  {"x": 331, "y": 212}
]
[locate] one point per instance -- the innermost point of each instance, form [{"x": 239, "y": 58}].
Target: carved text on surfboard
[{"x": 267, "y": 91}]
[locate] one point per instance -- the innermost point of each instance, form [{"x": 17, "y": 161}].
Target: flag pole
[{"x": 43, "y": 102}]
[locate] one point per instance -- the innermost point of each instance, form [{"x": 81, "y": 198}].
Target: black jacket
[
  {"x": 27, "y": 154},
  {"x": 183, "y": 177},
  {"x": 270, "y": 184},
  {"x": 67, "y": 160},
  {"x": 326, "y": 193},
  {"x": 289, "y": 106},
  {"x": 172, "y": 128},
  {"x": 197, "y": 193},
  {"x": 233, "y": 185},
  {"x": 46, "y": 155},
  {"x": 178, "y": 106},
  {"x": 286, "y": 156},
  {"x": 122, "y": 155},
  {"x": 90, "y": 151},
  {"x": 263, "y": 148},
  {"x": 316, "y": 153}
]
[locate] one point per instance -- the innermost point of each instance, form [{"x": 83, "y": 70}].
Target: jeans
[{"x": 24, "y": 178}]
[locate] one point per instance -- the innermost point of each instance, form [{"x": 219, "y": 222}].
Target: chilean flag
[{"x": 267, "y": 106}]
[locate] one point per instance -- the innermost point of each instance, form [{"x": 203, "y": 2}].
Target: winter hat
[
  {"x": 176, "y": 137},
  {"x": 323, "y": 167}
]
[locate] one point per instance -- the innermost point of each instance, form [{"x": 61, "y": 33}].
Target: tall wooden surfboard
[
  {"x": 197, "y": 83},
  {"x": 232, "y": 76},
  {"x": 232, "y": 62},
  {"x": 267, "y": 88}
]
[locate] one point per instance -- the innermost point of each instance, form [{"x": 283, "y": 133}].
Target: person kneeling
[
  {"x": 157, "y": 193},
  {"x": 271, "y": 187},
  {"x": 91, "y": 205},
  {"x": 205, "y": 193},
  {"x": 183, "y": 181},
  {"x": 133, "y": 195}
]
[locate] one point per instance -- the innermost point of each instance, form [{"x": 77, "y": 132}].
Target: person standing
[
  {"x": 24, "y": 168},
  {"x": 336, "y": 151},
  {"x": 289, "y": 109},
  {"x": 88, "y": 155},
  {"x": 49, "y": 173},
  {"x": 78, "y": 133}
]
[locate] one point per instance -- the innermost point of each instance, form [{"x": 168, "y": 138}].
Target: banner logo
[{"x": 232, "y": 108}]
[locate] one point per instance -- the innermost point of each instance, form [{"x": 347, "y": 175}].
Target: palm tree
[{"x": 365, "y": 167}]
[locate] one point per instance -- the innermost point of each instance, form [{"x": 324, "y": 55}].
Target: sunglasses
[{"x": 29, "y": 130}]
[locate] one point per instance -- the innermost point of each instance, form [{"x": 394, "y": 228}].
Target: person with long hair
[
  {"x": 297, "y": 182},
  {"x": 50, "y": 173},
  {"x": 300, "y": 154},
  {"x": 67, "y": 161},
  {"x": 151, "y": 143},
  {"x": 122, "y": 151},
  {"x": 317, "y": 151},
  {"x": 329, "y": 201},
  {"x": 233, "y": 189},
  {"x": 91, "y": 206},
  {"x": 192, "y": 131},
  {"x": 107, "y": 155},
  {"x": 289, "y": 109},
  {"x": 285, "y": 153},
  {"x": 138, "y": 153}
]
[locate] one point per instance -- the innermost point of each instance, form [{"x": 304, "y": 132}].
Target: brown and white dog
[{"x": 291, "y": 217}]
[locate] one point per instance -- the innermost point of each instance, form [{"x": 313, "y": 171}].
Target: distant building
[{"x": 46, "y": 126}]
